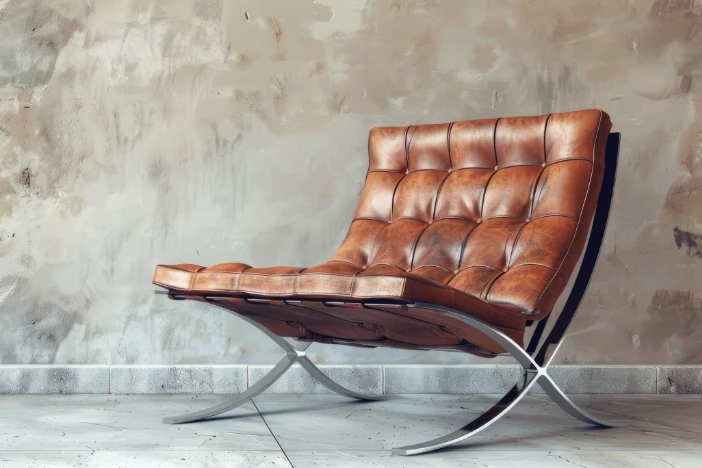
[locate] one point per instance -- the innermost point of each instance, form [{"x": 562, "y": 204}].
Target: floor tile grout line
[
  {"x": 272, "y": 434},
  {"x": 382, "y": 379}
]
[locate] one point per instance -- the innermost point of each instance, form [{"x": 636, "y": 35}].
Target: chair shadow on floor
[
  {"x": 300, "y": 406},
  {"x": 301, "y": 409}
]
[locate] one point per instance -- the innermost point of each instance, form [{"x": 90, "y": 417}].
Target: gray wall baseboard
[{"x": 369, "y": 379}]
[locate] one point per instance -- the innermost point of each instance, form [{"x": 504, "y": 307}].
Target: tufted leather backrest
[{"x": 499, "y": 209}]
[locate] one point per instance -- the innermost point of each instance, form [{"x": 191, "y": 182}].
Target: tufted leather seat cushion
[{"x": 485, "y": 216}]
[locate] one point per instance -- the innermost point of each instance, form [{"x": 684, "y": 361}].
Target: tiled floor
[{"x": 329, "y": 431}]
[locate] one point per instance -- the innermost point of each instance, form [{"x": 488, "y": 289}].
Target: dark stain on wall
[
  {"x": 692, "y": 243},
  {"x": 26, "y": 177}
]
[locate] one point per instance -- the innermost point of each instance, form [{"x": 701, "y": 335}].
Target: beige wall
[{"x": 139, "y": 132}]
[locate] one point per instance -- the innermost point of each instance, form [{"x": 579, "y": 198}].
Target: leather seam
[
  {"x": 392, "y": 201},
  {"x": 520, "y": 219},
  {"x": 463, "y": 246},
  {"x": 568, "y": 159},
  {"x": 451, "y": 218},
  {"x": 413, "y": 218},
  {"x": 494, "y": 141},
  {"x": 481, "y": 266},
  {"x": 414, "y": 246},
  {"x": 489, "y": 286},
  {"x": 365, "y": 181},
  {"x": 273, "y": 274},
  {"x": 534, "y": 264},
  {"x": 514, "y": 243},
  {"x": 531, "y": 207},
  {"x": 543, "y": 169},
  {"x": 536, "y": 186},
  {"x": 465, "y": 169},
  {"x": 545, "y": 129},
  {"x": 191, "y": 283},
  {"x": 487, "y": 184},
  {"x": 431, "y": 266},
  {"x": 384, "y": 264},
  {"x": 534, "y": 165},
  {"x": 173, "y": 267},
  {"x": 438, "y": 192},
  {"x": 555, "y": 215},
  {"x": 370, "y": 219},
  {"x": 448, "y": 144},
  {"x": 419, "y": 279},
  {"x": 341, "y": 260},
  {"x": 341, "y": 275},
  {"x": 375, "y": 239},
  {"x": 426, "y": 169},
  {"x": 408, "y": 144},
  {"x": 577, "y": 226},
  {"x": 483, "y": 195},
  {"x": 406, "y": 151},
  {"x": 167, "y": 286},
  {"x": 485, "y": 302}
]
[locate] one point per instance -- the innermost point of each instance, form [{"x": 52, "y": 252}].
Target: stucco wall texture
[{"x": 141, "y": 132}]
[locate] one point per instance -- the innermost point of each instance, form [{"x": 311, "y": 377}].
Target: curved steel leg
[
  {"x": 292, "y": 355},
  {"x": 239, "y": 399},
  {"x": 478, "y": 424},
  {"x": 322, "y": 378},
  {"x": 533, "y": 373},
  {"x": 565, "y": 404},
  {"x": 505, "y": 341}
]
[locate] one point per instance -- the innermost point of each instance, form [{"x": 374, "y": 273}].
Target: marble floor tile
[
  {"x": 330, "y": 431},
  {"x": 80, "y": 422},
  {"x": 143, "y": 459},
  {"x": 672, "y": 411},
  {"x": 534, "y": 424},
  {"x": 504, "y": 459}
]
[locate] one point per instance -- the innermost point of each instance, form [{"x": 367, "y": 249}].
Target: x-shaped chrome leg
[
  {"x": 532, "y": 374},
  {"x": 292, "y": 355}
]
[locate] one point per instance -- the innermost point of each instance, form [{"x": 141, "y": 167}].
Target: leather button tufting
[{"x": 485, "y": 216}]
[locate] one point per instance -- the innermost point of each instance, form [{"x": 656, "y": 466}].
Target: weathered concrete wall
[{"x": 139, "y": 132}]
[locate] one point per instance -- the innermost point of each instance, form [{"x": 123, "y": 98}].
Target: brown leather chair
[{"x": 464, "y": 237}]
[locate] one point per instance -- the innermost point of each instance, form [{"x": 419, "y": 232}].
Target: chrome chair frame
[{"x": 534, "y": 359}]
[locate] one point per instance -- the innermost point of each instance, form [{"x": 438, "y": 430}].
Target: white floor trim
[{"x": 371, "y": 379}]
